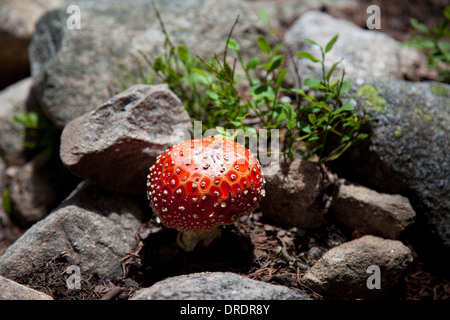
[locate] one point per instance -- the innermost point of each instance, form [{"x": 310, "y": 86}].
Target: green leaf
[
  {"x": 334, "y": 84},
  {"x": 157, "y": 64},
  {"x": 319, "y": 86},
  {"x": 299, "y": 91},
  {"x": 321, "y": 104},
  {"x": 310, "y": 82},
  {"x": 263, "y": 91},
  {"x": 233, "y": 45},
  {"x": 200, "y": 75},
  {"x": 278, "y": 47},
  {"x": 183, "y": 53},
  {"x": 263, "y": 15},
  {"x": 312, "y": 118},
  {"x": 447, "y": 12},
  {"x": 6, "y": 199},
  {"x": 304, "y": 126},
  {"x": 212, "y": 95},
  {"x": 221, "y": 132},
  {"x": 29, "y": 120},
  {"x": 333, "y": 67},
  {"x": 281, "y": 77},
  {"x": 330, "y": 44},
  {"x": 252, "y": 63},
  {"x": 336, "y": 155},
  {"x": 346, "y": 86},
  {"x": 442, "y": 30},
  {"x": 348, "y": 106},
  {"x": 362, "y": 136},
  {"x": 419, "y": 26},
  {"x": 307, "y": 55},
  {"x": 275, "y": 63},
  {"x": 311, "y": 41},
  {"x": 263, "y": 45}
]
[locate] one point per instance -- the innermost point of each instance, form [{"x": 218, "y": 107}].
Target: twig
[
  {"x": 284, "y": 255},
  {"x": 111, "y": 294}
]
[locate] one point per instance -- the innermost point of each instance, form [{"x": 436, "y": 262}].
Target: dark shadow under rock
[{"x": 160, "y": 257}]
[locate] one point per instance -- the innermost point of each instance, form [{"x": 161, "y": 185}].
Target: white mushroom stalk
[{"x": 188, "y": 240}]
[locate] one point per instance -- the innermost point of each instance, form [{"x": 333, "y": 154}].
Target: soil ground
[{"x": 253, "y": 247}]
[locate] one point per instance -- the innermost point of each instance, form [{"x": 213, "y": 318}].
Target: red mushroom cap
[{"x": 202, "y": 183}]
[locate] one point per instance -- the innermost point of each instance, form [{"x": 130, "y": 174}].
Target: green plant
[
  {"x": 6, "y": 200},
  {"x": 41, "y": 135},
  {"x": 317, "y": 123},
  {"x": 326, "y": 117},
  {"x": 435, "y": 44}
]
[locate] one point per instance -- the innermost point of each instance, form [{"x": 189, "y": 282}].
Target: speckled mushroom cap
[{"x": 202, "y": 183}]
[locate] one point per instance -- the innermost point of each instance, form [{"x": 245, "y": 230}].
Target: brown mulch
[
  {"x": 254, "y": 248},
  {"x": 53, "y": 279}
]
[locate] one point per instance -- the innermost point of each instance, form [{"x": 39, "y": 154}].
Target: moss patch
[
  {"x": 425, "y": 116},
  {"x": 440, "y": 91},
  {"x": 372, "y": 98}
]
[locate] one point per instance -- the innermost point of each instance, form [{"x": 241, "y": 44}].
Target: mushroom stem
[{"x": 187, "y": 240}]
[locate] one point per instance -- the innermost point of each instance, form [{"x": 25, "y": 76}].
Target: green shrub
[
  {"x": 316, "y": 125},
  {"x": 435, "y": 44}
]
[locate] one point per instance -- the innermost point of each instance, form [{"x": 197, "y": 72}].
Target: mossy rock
[{"x": 408, "y": 150}]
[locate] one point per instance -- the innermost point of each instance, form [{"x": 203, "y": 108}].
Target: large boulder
[
  {"x": 365, "y": 53},
  {"x": 115, "y": 144},
  {"x": 75, "y": 70},
  {"x": 18, "y": 19},
  {"x": 93, "y": 228},
  {"x": 408, "y": 151},
  {"x": 216, "y": 286}
]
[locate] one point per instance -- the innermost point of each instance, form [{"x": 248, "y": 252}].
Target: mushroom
[{"x": 200, "y": 184}]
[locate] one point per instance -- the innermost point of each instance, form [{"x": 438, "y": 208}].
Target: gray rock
[
  {"x": 216, "y": 286},
  {"x": 384, "y": 214},
  {"x": 365, "y": 53},
  {"x": 11, "y": 290},
  {"x": 13, "y": 101},
  {"x": 115, "y": 144},
  {"x": 280, "y": 12},
  {"x": 343, "y": 272},
  {"x": 33, "y": 191},
  {"x": 74, "y": 69},
  {"x": 4, "y": 218},
  {"x": 315, "y": 253},
  {"x": 18, "y": 19},
  {"x": 408, "y": 152},
  {"x": 294, "y": 196},
  {"x": 94, "y": 227}
]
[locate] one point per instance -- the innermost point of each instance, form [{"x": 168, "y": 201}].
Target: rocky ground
[{"x": 319, "y": 231}]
